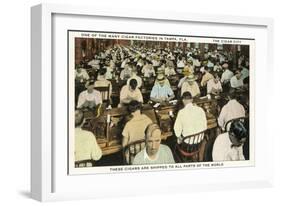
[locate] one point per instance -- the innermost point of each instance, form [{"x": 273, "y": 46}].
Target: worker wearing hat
[
  {"x": 89, "y": 98},
  {"x": 186, "y": 72},
  {"x": 161, "y": 92},
  {"x": 190, "y": 85}
]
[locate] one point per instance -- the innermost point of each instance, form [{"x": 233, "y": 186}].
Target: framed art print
[
  {"x": 120, "y": 99},
  {"x": 109, "y": 125}
]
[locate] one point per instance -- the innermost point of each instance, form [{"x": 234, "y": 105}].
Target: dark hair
[
  {"x": 102, "y": 71},
  {"x": 186, "y": 95},
  {"x": 133, "y": 83},
  {"x": 134, "y": 106},
  {"x": 238, "y": 128},
  {"x": 90, "y": 82},
  {"x": 231, "y": 93},
  {"x": 246, "y": 80},
  {"x": 238, "y": 70},
  {"x": 243, "y": 63},
  {"x": 216, "y": 74}
]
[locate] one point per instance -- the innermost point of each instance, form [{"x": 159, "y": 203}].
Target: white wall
[{"x": 15, "y": 93}]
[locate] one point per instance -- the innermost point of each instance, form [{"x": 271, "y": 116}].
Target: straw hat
[
  {"x": 191, "y": 78},
  {"x": 160, "y": 70},
  {"x": 160, "y": 77},
  {"x": 186, "y": 71}
]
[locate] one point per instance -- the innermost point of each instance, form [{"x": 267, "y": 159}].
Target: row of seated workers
[{"x": 131, "y": 76}]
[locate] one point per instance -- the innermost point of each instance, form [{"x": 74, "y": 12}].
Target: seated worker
[
  {"x": 232, "y": 110},
  {"x": 154, "y": 152},
  {"x": 130, "y": 92},
  {"x": 180, "y": 64},
  {"x": 81, "y": 74},
  {"x": 217, "y": 67},
  {"x": 161, "y": 92},
  {"x": 189, "y": 65},
  {"x": 169, "y": 71},
  {"x": 148, "y": 70},
  {"x": 186, "y": 72},
  {"x": 89, "y": 98},
  {"x": 206, "y": 76},
  {"x": 226, "y": 75},
  {"x": 126, "y": 73},
  {"x": 136, "y": 77},
  {"x": 190, "y": 120},
  {"x": 190, "y": 85},
  {"x": 228, "y": 146},
  {"x": 103, "y": 82},
  {"x": 135, "y": 127},
  {"x": 86, "y": 146},
  {"x": 214, "y": 85},
  {"x": 169, "y": 62},
  {"x": 95, "y": 62},
  {"x": 160, "y": 73},
  {"x": 237, "y": 81}
]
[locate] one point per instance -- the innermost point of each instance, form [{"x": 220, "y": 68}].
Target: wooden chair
[
  {"x": 188, "y": 149},
  {"x": 105, "y": 93},
  {"x": 228, "y": 123},
  {"x": 84, "y": 163},
  {"x": 131, "y": 150}
]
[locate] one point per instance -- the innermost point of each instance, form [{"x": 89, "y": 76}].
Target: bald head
[{"x": 152, "y": 139}]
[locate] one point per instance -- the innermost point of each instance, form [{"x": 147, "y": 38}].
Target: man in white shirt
[
  {"x": 196, "y": 62},
  {"x": 148, "y": 70},
  {"x": 217, "y": 67},
  {"x": 81, "y": 74},
  {"x": 108, "y": 74},
  {"x": 206, "y": 76},
  {"x": 190, "y": 120},
  {"x": 95, "y": 63},
  {"x": 186, "y": 72},
  {"x": 190, "y": 85},
  {"x": 214, "y": 85},
  {"x": 154, "y": 152},
  {"x": 228, "y": 146},
  {"x": 226, "y": 75},
  {"x": 103, "y": 82},
  {"x": 232, "y": 110},
  {"x": 136, "y": 77},
  {"x": 169, "y": 71},
  {"x": 89, "y": 98},
  {"x": 130, "y": 92},
  {"x": 126, "y": 73},
  {"x": 236, "y": 81},
  {"x": 155, "y": 62},
  {"x": 169, "y": 62},
  {"x": 124, "y": 63},
  {"x": 86, "y": 146},
  {"x": 180, "y": 64}
]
